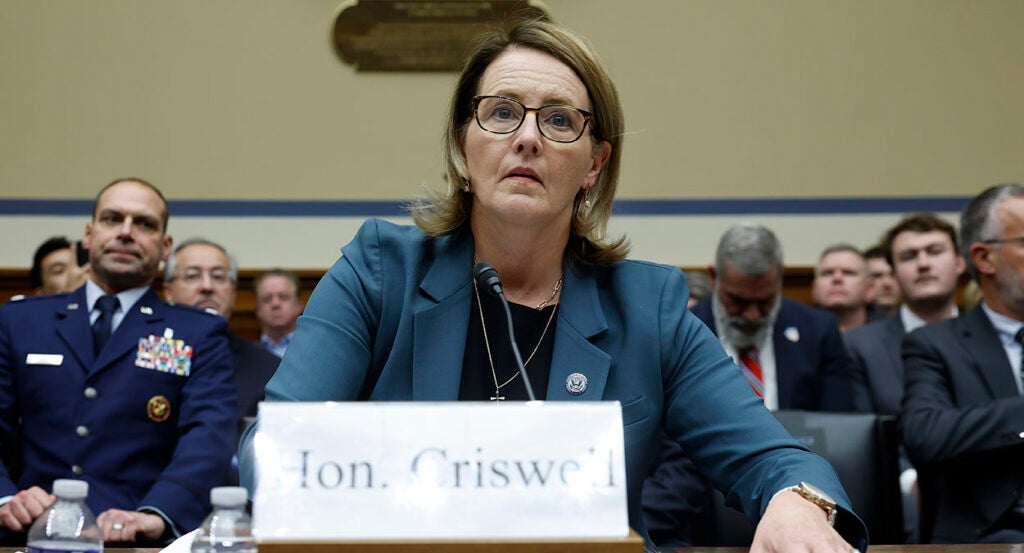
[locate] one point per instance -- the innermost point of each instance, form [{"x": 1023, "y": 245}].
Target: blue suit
[
  {"x": 392, "y": 314},
  {"x": 812, "y": 372},
  {"x": 141, "y": 437}
]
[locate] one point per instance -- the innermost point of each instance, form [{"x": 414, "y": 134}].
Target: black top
[{"x": 477, "y": 381}]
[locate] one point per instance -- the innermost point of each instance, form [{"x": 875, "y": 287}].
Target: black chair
[{"x": 863, "y": 448}]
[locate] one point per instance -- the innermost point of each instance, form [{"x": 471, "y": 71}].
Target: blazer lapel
[
  {"x": 892, "y": 342},
  {"x": 787, "y": 355},
  {"x": 982, "y": 342},
  {"x": 579, "y": 320},
  {"x": 141, "y": 320},
  {"x": 440, "y": 327},
  {"x": 73, "y": 327}
]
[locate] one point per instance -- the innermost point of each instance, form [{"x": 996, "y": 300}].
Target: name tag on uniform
[{"x": 51, "y": 359}]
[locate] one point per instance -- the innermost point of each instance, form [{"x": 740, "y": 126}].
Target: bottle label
[{"x": 64, "y": 547}]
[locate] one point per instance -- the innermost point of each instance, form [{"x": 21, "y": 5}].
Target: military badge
[
  {"x": 158, "y": 409},
  {"x": 164, "y": 354}
]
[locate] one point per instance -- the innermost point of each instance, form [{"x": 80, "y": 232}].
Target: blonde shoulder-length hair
[{"x": 442, "y": 213}]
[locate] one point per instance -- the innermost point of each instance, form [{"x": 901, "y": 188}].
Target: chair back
[{"x": 863, "y": 448}]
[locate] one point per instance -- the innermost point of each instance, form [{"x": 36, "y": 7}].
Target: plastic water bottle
[
  {"x": 228, "y": 528},
  {"x": 68, "y": 526}
]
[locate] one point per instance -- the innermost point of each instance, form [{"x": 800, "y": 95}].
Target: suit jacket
[
  {"x": 812, "y": 374},
  {"x": 253, "y": 368},
  {"x": 963, "y": 422},
  {"x": 394, "y": 310},
  {"x": 877, "y": 369},
  {"x": 140, "y": 437},
  {"x": 813, "y": 371}
]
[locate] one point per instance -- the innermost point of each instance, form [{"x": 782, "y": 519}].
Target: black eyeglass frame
[
  {"x": 587, "y": 117},
  {"x": 1015, "y": 240}
]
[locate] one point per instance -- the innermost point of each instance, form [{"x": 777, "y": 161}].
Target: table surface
[{"x": 972, "y": 548}]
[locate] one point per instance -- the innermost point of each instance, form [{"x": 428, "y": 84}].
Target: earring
[
  {"x": 465, "y": 186},
  {"x": 586, "y": 199}
]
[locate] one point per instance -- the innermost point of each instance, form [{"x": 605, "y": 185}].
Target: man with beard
[
  {"x": 111, "y": 385},
  {"x": 963, "y": 410},
  {"x": 791, "y": 354}
]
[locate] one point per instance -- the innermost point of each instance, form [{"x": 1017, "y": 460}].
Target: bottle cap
[
  {"x": 70, "y": 489},
  {"x": 228, "y": 496}
]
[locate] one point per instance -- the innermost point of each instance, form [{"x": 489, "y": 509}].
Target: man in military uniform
[{"x": 113, "y": 386}]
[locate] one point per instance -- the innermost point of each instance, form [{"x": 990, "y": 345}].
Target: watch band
[{"x": 811, "y": 493}]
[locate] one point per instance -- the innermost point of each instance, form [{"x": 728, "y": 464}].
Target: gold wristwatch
[{"x": 811, "y": 493}]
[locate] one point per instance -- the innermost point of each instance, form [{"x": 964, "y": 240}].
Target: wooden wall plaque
[{"x": 418, "y": 35}]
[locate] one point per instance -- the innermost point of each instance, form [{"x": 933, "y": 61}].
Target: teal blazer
[{"x": 388, "y": 322}]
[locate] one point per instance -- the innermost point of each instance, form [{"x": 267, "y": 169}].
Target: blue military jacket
[{"x": 149, "y": 422}]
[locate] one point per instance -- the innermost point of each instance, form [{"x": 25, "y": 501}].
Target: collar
[
  {"x": 912, "y": 322},
  {"x": 1006, "y": 327},
  {"x": 285, "y": 340},
  {"x": 128, "y": 297}
]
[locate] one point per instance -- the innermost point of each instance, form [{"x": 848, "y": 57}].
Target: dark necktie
[
  {"x": 1020, "y": 340},
  {"x": 104, "y": 324}
]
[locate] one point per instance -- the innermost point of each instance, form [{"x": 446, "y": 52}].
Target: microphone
[{"x": 487, "y": 278}]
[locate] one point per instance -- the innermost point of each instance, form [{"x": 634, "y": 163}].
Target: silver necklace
[{"x": 487, "y": 343}]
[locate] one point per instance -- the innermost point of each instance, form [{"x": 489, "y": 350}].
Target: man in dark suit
[
  {"x": 203, "y": 274},
  {"x": 922, "y": 249},
  {"x": 803, "y": 364},
  {"x": 963, "y": 412},
  {"x": 111, "y": 385},
  {"x": 791, "y": 354}
]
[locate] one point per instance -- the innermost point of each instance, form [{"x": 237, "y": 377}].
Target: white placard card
[{"x": 417, "y": 470}]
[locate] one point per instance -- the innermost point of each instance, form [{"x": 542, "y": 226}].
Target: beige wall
[{"x": 724, "y": 98}]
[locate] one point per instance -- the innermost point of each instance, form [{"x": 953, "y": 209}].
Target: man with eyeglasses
[
  {"x": 111, "y": 385},
  {"x": 791, "y": 354},
  {"x": 202, "y": 274},
  {"x": 963, "y": 411}
]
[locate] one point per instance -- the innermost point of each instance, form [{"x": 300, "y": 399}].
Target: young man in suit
[
  {"x": 111, "y": 385},
  {"x": 963, "y": 412},
  {"x": 922, "y": 249}
]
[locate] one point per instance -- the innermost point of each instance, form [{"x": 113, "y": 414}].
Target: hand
[
  {"x": 121, "y": 526},
  {"x": 791, "y": 524},
  {"x": 24, "y": 508}
]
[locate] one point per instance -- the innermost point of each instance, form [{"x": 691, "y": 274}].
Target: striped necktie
[{"x": 750, "y": 364}]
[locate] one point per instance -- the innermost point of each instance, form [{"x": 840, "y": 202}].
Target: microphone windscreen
[{"x": 487, "y": 277}]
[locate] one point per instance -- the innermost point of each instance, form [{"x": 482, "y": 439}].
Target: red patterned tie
[{"x": 750, "y": 364}]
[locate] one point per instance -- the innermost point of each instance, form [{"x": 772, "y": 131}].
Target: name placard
[{"x": 418, "y": 470}]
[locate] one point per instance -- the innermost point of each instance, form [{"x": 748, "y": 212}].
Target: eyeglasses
[
  {"x": 192, "y": 277},
  {"x": 501, "y": 115},
  {"x": 1019, "y": 240}
]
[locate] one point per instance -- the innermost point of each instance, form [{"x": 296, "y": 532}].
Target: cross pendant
[{"x": 497, "y": 396}]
